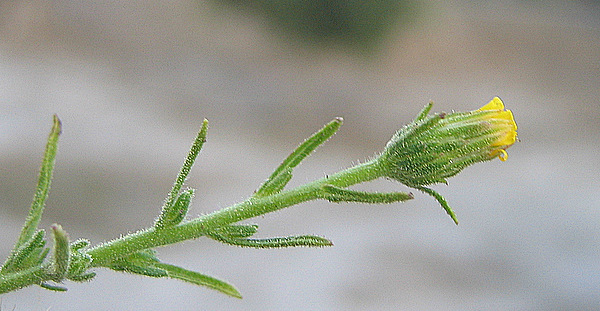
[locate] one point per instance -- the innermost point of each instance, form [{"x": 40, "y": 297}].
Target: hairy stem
[{"x": 153, "y": 237}]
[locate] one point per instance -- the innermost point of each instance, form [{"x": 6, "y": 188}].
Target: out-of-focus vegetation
[{"x": 356, "y": 25}]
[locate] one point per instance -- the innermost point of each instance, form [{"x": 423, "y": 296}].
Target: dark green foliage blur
[{"x": 353, "y": 24}]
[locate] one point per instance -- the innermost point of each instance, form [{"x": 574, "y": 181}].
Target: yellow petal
[
  {"x": 494, "y": 104},
  {"x": 509, "y": 116},
  {"x": 502, "y": 154},
  {"x": 508, "y": 139},
  {"x": 507, "y": 130}
]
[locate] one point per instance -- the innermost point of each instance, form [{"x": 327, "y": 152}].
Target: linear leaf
[
  {"x": 143, "y": 263},
  {"x": 442, "y": 202},
  {"x": 61, "y": 252},
  {"x": 140, "y": 268},
  {"x": 274, "y": 184},
  {"x": 80, "y": 244},
  {"x": 85, "y": 277},
  {"x": 336, "y": 194},
  {"x": 26, "y": 255},
  {"x": 199, "y": 279},
  {"x": 237, "y": 231},
  {"x": 79, "y": 264},
  {"x": 43, "y": 186},
  {"x": 290, "y": 241},
  {"x": 55, "y": 288},
  {"x": 175, "y": 214},
  {"x": 301, "y": 152},
  {"x": 423, "y": 114},
  {"x": 183, "y": 173}
]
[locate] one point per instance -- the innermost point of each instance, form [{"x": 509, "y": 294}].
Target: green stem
[{"x": 153, "y": 237}]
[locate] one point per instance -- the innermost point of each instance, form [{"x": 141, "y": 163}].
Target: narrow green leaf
[
  {"x": 442, "y": 202},
  {"x": 238, "y": 231},
  {"x": 290, "y": 241},
  {"x": 143, "y": 263},
  {"x": 145, "y": 255},
  {"x": 199, "y": 279},
  {"x": 183, "y": 173},
  {"x": 416, "y": 128},
  {"x": 275, "y": 184},
  {"x": 43, "y": 252},
  {"x": 26, "y": 255},
  {"x": 41, "y": 193},
  {"x": 79, "y": 264},
  {"x": 309, "y": 145},
  {"x": 61, "y": 252},
  {"x": 336, "y": 194},
  {"x": 175, "y": 214},
  {"x": 423, "y": 114},
  {"x": 55, "y": 288},
  {"x": 304, "y": 150},
  {"x": 80, "y": 244},
  {"x": 139, "y": 268},
  {"x": 22, "y": 278},
  {"x": 86, "y": 277}
]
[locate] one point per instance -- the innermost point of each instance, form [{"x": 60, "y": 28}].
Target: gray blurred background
[{"x": 132, "y": 80}]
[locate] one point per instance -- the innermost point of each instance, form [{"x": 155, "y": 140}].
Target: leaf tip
[{"x": 56, "y": 125}]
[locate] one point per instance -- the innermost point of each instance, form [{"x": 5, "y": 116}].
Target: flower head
[{"x": 435, "y": 147}]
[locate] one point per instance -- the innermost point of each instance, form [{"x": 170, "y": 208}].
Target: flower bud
[{"x": 435, "y": 147}]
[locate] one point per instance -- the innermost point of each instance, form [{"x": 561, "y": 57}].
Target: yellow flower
[
  {"x": 504, "y": 123},
  {"x": 435, "y": 147}
]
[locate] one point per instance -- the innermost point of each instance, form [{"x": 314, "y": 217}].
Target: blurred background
[{"x": 132, "y": 81}]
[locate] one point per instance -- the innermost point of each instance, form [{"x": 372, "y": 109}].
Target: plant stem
[{"x": 105, "y": 253}]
